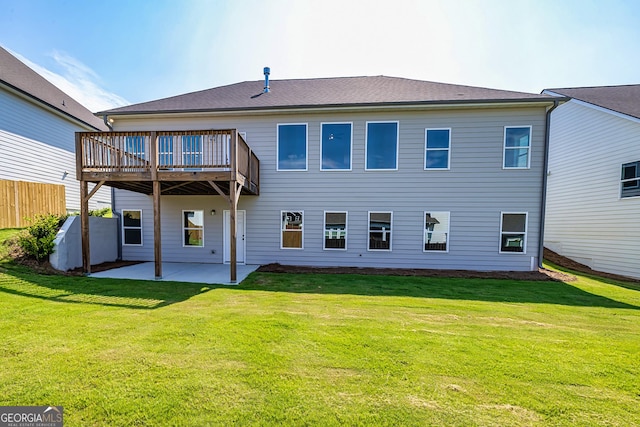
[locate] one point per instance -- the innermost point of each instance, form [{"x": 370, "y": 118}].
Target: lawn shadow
[
  {"x": 140, "y": 294},
  {"x": 610, "y": 279},
  {"x": 472, "y": 289}
]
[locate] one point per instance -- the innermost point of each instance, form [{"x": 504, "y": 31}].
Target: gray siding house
[
  {"x": 37, "y": 126},
  {"x": 361, "y": 171},
  {"x": 593, "y": 202}
]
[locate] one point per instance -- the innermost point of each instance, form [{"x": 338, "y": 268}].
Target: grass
[{"x": 286, "y": 349}]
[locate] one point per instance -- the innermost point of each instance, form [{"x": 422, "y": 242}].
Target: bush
[
  {"x": 105, "y": 212},
  {"x": 38, "y": 239}
]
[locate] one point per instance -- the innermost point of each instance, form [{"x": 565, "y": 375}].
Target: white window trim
[
  {"x": 346, "y": 231},
  {"x": 366, "y": 144},
  {"x": 306, "y": 147},
  {"x": 426, "y": 150},
  {"x": 622, "y": 181},
  {"x": 448, "y": 233},
  {"x": 369, "y": 232},
  {"x": 350, "y": 146},
  {"x": 122, "y": 211},
  {"x": 292, "y": 231},
  {"x": 504, "y": 146},
  {"x": 526, "y": 232},
  {"x": 183, "y": 228}
]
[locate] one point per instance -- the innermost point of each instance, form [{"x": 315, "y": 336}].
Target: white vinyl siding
[
  {"x": 587, "y": 220},
  {"x": 39, "y": 146}
]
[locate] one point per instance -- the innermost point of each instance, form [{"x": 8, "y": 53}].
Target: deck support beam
[{"x": 157, "y": 231}]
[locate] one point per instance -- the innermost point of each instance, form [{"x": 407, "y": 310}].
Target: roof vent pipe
[{"x": 267, "y": 71}]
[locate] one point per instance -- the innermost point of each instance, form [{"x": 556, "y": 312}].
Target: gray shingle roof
[
  {"x": 325, "y": 92},
  {"x": 19, "y": 76},
  {"x": 623, "y": 99}
]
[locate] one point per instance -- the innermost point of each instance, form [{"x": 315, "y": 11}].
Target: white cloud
[{"x": 78, "y": 81}]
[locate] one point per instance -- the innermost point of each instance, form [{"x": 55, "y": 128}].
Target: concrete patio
[{"x": 179, "y": 272}]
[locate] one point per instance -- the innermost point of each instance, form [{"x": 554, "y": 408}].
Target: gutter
[{"x": 545, "y": 169}]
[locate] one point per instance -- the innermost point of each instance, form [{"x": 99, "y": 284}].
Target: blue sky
[{"x": 115, "y": 52}]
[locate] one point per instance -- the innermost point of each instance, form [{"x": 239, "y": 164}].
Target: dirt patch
[
  {"x": 540, "y": 275},
  {"x": 570, "y": 264}
]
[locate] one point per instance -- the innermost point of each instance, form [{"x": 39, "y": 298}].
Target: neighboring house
[
  {"x": 360, "y": 171},
  {"x": 593, "y": 203},
  {"x": 37, "y": 128}
]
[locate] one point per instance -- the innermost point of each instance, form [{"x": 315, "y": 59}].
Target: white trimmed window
[
  {"x": 437, "y": 148},
  {"x": 436, "y": 231},
  {"x": 630, "y": 181},
  {"x": 381, "y": 149},
  {"x": 292, "y": 147},
  {"x": 513, "y": 232},
  {"x": 517, "y": 147},
  {"x": 132, "y": 227},
  {"x": 193, "y": 228},
  {"x": 335, "y": 230},
  {"x": 292, "y": 231},
  {"x": 336, "y": 146},
  {"x": 380, "y": 231}
]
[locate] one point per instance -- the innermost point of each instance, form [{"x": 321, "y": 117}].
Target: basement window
[
  {"x": 436, "y": 231},
  {"x": 193, "y": 228},
  {"x": 132, "y": 227},
  {"x": 513, "y": 232},
  {"x": 380, "y": 231},
  {"x": 335, "y": 230},
  {"x": 291, "y": 236}
]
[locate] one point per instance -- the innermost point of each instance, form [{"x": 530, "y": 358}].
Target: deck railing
[{"x": 142, "y": 151}]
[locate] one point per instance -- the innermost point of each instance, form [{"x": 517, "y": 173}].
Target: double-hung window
[
  {"x": 291, "y": 235},
  {"x": 513, "y": 232},
  {"x": 436, "y": 231},
  {"x": 336, "y": 146},
  {"x": 382, "y": 146},
  {"x": 630, "y": 180},
  {"x": 292, "y": 147},
  {"x": 380, "y": 231},
  {"x": 193, "y": 228},
  {"x": 335, "y": 230},
  {"x": 517, "y": 147},
  {"x": 132, "y": 227},
  {"x": 437, "y": 148}
]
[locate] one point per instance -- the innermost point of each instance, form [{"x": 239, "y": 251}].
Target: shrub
[
  {"x": 38, "y": 239},
  {"x": 104, "y": 212}
]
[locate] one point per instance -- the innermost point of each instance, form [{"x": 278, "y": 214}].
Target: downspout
[
  {"x": 115, "y": 214},
  {"x": 106, "y": 122},
  {"x": 543, "y": 207}
]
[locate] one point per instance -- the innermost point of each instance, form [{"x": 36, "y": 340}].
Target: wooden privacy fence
[{"x": 20, "y": 200}]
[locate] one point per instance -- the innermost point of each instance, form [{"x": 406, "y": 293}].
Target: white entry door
[{"x": 240, "y": 227}]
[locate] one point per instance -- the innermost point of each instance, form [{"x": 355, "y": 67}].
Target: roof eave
[
  {"x": 24, "y": 94},
  {"x": 474, "y": 103}
]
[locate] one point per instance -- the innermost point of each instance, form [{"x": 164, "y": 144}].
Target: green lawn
[{"x": 322, "y": 350}]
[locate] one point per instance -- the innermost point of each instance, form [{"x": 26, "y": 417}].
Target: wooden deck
[
  {"x": 183, "y": 162},
  {"x": 160, "y": 163}
]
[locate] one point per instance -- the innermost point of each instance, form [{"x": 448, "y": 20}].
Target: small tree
[{"x": 38, "y": 239}]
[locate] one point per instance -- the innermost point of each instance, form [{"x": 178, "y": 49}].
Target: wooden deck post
[
  {"x": 84, "y": 227},
  {"x": 157, "y": 230},
  {"x": 233, "y": 235}
]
